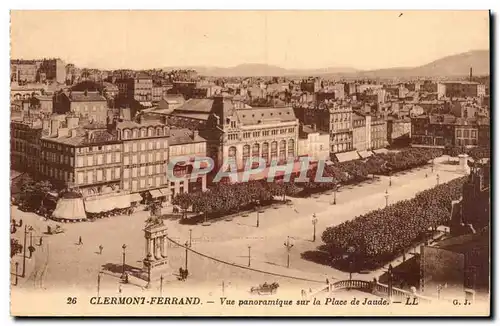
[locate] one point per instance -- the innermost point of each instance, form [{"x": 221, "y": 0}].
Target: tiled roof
[
  {"x": 90, "y": 97},
  {"x": 183, "y": 136},
  {"x": 132, "y": 124},
  {"x": 197, "y": 105},
  {"x": 262, "y": 115},
  {"x": 197, "y": 116},
  {"x": 98, "y": 137}
]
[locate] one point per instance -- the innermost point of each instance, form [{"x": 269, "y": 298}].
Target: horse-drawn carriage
[{"x": 265, "y": 288}]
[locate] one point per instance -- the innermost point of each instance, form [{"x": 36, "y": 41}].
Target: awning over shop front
[
  {"x": 365, "y": 154},
  {"x": 347, "y": 156},
  {"x": 155, "y": 193},
  {"x": 165, "y": 191},
  {"x": 69, "y": 209},
  {"x": 105, "y": 204},
  {"x": 135, "y": 197}
]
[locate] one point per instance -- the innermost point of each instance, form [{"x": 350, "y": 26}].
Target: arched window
[
  {"x": 231, "y": 156},
  {"x": 150, "y": 132},
  {"x": 274, "y": 150},
  {"x": 255, "y": 150},
  {"x": 291, "y": 148},
  {"x": 246, "y": 153},
  {"x": 232, "y": 152},
  {"x": 282, "y": 150},
  {"x": 134, "y": 133},
  {"x": 265, "y": 152},
  {"x": 143, "y": 132},
  {"x": 158, "y": 131}
]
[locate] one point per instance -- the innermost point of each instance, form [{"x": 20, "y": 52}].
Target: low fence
[{"x": 375, "y": 288}]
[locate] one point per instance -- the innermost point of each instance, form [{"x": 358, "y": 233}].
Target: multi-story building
[
  {"x": 42, "y": 103},
  {"x": 187, "y": 145},
  {"x": 25, "y": 144},
  {"x": 87, "y": 159},
  {"x": 236, "y": 132},
  {"x": 157, "y": 93},
  {"x": 313, "y": 143},
  {"x": 23, "y": 71},
  {"x": 91, "y": 105},
  {"x": 448, "y": 130},
  {"x": 311, "y": 85},
  {"x": 398, "y": 130},
  {"x": 139, "y": 88},
  {"x": 53, "y": 69},
  {"x": 378, "y": 132},
  {"x": 462, "y": 89},
  {"x": 340, "y": 128},
  {"x": 360, "y": 131},
  {"x": 145, "y": 154},
  {"x": 334, "y": 118}
]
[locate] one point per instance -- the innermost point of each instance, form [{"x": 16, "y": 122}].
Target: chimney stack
[
  {"x": 195, "y": 134},
  {"x": 54, "y": 126}
]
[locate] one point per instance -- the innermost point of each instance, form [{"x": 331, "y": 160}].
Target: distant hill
[
  {"x": 257, "y": 69},
  {"x": 450, "y": 66}
]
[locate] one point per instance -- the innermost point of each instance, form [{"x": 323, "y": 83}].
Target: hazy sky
[{"x": 290, "y": 39}]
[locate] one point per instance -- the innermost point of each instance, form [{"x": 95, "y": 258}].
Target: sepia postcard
[{"x": 250, "y": 163}]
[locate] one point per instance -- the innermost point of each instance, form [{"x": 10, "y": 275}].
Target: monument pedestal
[
  {"x": 156, "y": 263},
  {"x": 462, "y": 163}
]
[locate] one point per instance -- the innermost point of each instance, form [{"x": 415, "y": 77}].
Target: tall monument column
[{"x": 155, "y": 263}]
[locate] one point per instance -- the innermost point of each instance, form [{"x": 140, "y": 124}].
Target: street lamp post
[
  {"x": 288, "y": 247},
  {"x": 249, "y": 248},
  {"x": 335, "y": 195},
  {"x": 17, "y": 267},
  {"x": 390, "y": 180},
  {"x": 432, "y": 166},
  {"x": 24, "y": 250},
  {"x": 386, "y": 198},
  {"x": 190, "y": 238},
  {"x": 390, "y": 274},
  {"x": 314, "y": 222},
  {"x": 123, "y": 260},
  {"x": 186, "y": 261},
  {"x": 161, "y": 285},
  {"x": 258, "y": 218},
  {"x": 437, "y": 179},
  {"x": 98, "y": 283}
]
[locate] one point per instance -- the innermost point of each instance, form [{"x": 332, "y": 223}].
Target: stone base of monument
[
  {"x": 463, "y": 163},
  {"x": 153, "y": 270}
]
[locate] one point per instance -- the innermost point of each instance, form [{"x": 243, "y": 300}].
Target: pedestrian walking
[
  {"x": 80, "y": 242},
  {"x": 100, "y": 249},
  {"x": 41, "y": 241},
  {"x": 327, "y": 282},
  {"x": 119, "y": 288}
]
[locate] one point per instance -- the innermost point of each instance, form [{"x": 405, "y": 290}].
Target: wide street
[{"x": 72, "y": 266}]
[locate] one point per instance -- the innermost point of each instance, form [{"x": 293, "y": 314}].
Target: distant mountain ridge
[{"x": 449, "y": 66}]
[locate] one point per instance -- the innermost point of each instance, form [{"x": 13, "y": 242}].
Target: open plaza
[{"x": 227, "y": 255}]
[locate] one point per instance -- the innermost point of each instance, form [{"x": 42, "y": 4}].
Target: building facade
[
  {"x": 360, "y": 132},
  {"x": 378, "y": 131},
  {"x": 90, "y": 105},
  {"x": 461, "y": 89},
  {"x": 313, "y": 143}
]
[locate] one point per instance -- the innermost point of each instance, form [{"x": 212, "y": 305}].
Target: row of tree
[
  {"x": 476, "y": 153},
  {"x": 225, "y": 198},
  {"x": 32, "y": 193},
  {"x": 381, "y": 235}
]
